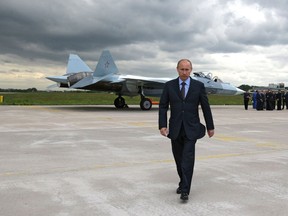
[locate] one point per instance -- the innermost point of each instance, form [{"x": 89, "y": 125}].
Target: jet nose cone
[{"x": 239, "y": 91}]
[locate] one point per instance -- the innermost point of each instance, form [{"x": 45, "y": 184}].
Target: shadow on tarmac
[{"x": 102, "y": 108}]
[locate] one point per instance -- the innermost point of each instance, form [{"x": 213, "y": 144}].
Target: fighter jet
[{"x": 106, "y": 78}]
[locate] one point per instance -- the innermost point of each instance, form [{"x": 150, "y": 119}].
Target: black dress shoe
[
  {"x": 184, "y": 196},
  {"x": 179, "y": 190}
]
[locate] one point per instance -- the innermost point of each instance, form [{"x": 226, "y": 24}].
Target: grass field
[{"x": 91, "y": 98}]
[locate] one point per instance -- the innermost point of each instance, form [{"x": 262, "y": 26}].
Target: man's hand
[
  {"x": 164, "y": 131},
  {"x": 210, "y": 133}
]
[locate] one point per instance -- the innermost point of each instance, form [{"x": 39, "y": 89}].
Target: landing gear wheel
[
  {"x": 119, "y": 102},
  {"x": 146, "y": 104}
]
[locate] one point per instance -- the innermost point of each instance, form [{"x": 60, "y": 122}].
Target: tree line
[{"x": 18, "y": 90}]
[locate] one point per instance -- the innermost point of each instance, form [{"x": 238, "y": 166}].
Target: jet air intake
[{"x": 74, "y": 78}]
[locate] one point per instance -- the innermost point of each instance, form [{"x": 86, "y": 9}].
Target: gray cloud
[{"x": 143, "y": 36}]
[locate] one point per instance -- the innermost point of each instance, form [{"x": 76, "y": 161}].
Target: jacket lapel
[
  {"x": 176, "y": 83},
  {"x": 190, "y": 88}
]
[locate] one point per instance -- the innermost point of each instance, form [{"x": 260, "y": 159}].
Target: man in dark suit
[
  {"x": 279, "y": 100},
  {"x": 184, "y": 95},
  {"x": 286, "y": 99},
  {"x": 246, "y": 97}
]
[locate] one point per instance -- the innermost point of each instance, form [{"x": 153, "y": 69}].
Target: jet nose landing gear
[{"x": 145, "y": 103}]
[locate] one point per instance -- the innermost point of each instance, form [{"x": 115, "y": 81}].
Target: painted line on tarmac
[
  {"x": 255, "y": 142},
  {"x": 130, "y": 164}
]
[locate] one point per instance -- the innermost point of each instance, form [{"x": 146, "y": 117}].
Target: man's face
[{"x": 184, "y": 70}]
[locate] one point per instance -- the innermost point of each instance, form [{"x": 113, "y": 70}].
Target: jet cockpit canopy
[{"x": 207, "y": 75}]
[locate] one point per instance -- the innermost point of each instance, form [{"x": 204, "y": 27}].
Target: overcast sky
[{"x": 240, "y": 41}]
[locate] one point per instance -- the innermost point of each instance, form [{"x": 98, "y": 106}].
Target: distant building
[
  {"x": 271, "y": 86},
  {"x": 276, "y": 86}
]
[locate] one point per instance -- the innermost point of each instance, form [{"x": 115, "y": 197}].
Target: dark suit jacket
[{"x": 185, "y": 111}]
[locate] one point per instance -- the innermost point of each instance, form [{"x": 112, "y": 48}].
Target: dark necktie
[{"x": 183, "y": 90}]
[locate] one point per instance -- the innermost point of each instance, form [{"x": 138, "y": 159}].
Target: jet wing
[
  {"x": 145, "y": 81},
  {"x": 138, "y": 80}
]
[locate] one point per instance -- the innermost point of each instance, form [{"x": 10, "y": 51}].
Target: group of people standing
[{"x": 268, "y": 100}]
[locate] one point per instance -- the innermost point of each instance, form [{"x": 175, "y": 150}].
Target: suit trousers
[{"x": 184, "y": 155}]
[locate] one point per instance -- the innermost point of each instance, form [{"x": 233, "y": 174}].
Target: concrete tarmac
[{"x": 96, "y": 160}]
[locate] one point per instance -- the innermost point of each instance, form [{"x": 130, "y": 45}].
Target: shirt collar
[{"x": 186, "y": 81}]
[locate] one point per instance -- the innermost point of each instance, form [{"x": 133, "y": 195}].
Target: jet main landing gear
[
  {"x": 119, "y": 102},
  {"x": 145, "y": 103}
]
